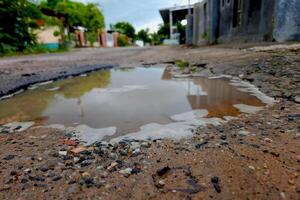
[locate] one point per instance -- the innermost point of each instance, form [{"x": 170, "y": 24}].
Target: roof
[{"x": 179, "y": 13}]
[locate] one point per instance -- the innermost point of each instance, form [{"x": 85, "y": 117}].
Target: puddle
[{"x": 136, "y": 102}]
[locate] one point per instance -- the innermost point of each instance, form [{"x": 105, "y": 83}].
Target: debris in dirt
[
  {"x": 297, "y": 99},
  {"x": 79, "y": 149},
  {"x": 63, "y": 153},
  {"x": 69, "y": 142},
  {"x": 200, "y": 145},
  {"x": 244, "y": 133},
  {"x": 112, "y": 166},
  {"x": 9, "y": 157},
  {"x": 16, "y": 127},
  {"x": 161, "y": 183},
  {"x": 216, "y": 183},
  {"x": 251, "y": 167},
  {"x": 126, "y": 172},
  {"x": 293, "y": 117},
  {"x": 163, "y": 171}
]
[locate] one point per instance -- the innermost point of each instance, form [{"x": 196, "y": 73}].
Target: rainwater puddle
[{"x": 140, "y": 103}]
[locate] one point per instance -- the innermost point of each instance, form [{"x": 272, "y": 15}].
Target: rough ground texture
[{"x": 253, "y": 157}]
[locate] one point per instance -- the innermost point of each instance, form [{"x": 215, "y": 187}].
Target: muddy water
[{"x": 125, "y": 98}]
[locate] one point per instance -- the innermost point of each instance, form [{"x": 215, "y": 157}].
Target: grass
[{"x": 38, "y": 49}]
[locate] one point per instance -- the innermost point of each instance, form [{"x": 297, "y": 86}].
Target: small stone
[
  {"x": 244, "y": 133},
  {"x": 136, "y": 152},
  {"x": 268, "y": 140},
  {"x": 291, "y": 182},
  {"x": 56, "y": 178},
  {"x": 297, "y": 99},
  {"x": 200, "y": 145},
  {"x": 76, "y": 159},
  {"x": 24, "y": 180},
  {"x": 9, "y": 157},
  {"x": 85, "y": 174},
  {"x": 265, "y": 166},
  {"x": 112, "y": 166},
  {"x": 27, "y": 170},
  {"x": 71, "y": 190},
  {"x": 251, "y": 167},
  {"x": 13, "y": 173},
  {"x": 146, "y": 144},
  {"x": 161, "y": 183},
  {"x": 79, "y": 149},
  {"x": 63, "y": 153},
  {"x": 223, "y": 137},
  {"x": 126, "y": 171},
  {"x": 215, "y": 179},
  {"x": 282, "y": 194},
  {"x": 163, "y": 171}
]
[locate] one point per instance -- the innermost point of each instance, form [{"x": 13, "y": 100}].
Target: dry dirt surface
[{"x": 253, "y": 157}]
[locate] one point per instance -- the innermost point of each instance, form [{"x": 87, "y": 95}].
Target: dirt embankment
[{"x": 253, "y": 157}]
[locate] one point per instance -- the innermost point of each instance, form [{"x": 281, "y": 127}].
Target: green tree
[
  {"x": 125, "y": 28},
  {"x": 17, "y": 19},
  {"x": 94, "y": 18},
  {"x": 155, "y": 39},
  {"x": 164, "y": 30},
  {"x": 144, "y": 35},
  {"x": 181, "y": 30}
]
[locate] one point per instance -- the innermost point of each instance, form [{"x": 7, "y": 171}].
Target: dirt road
[{"x": 253, "y": 157}]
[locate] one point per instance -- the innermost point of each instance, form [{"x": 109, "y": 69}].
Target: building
[
  {"x": 220, "y": 21},
  {"x": 174, "y": 15}
]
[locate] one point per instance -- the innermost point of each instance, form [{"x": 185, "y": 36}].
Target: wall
[
  {"x": 201, "y": 27},
  {"x": 206, "y": 22},
  {"x": 246, "y": 20},
  {"x": 45, "y": 36},
  {"x": 287, "y": 20}
]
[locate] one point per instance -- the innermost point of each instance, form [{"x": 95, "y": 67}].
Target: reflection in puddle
[{"x": 131, "y": 100}]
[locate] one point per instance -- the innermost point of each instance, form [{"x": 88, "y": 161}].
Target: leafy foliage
[
  {"x": 91, "y": 37},
  {"x": 181, "y": 30},
  {"x": 144, "y": 35},
  {"x": 125, "y": 28},
  {"x": 17, "y": 19},
  {"x": 123, "y": 40},
  {"x": 164, "y": 30}
]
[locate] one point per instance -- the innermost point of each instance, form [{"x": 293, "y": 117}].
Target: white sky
[{"x": 141, "y": 13}]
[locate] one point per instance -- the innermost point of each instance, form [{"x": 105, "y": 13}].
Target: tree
[
  {"x": 52, "y": 3},
  {"x": 144, "y": 35},
  {"x": 125, "y": 28},
  {"x": 94, "y": 18},
  {"x": 164, "y": 30},
  {"x": 155, "y": 39},
  {"x": 181, "y": 30},
  {"x": 17, "y": 18}
]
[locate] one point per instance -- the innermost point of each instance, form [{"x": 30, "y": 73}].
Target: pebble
[
  {"x": 268, "y": 140},
  {"x": 291, "y": 182},
  {"x": 136, "y": 152},
  {"x": 251, "y": 167},
  {"x": 9, "y": 157},
  {"x": 161, "y": 183},
  {"x": 126, "y": 171},
  {"x": 244, "y": 133},
  {"x": 63, "y": 153},
  {"x": 112, "y": 166},
  {"x": 297, "y": 99}
]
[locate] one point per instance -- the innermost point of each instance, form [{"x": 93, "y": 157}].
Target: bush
[
  {"x": 182, "y": 64},
  {"x": 92, "y": 38},
  {"x": 123, "y": 40}
]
